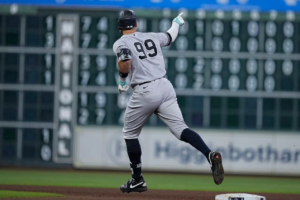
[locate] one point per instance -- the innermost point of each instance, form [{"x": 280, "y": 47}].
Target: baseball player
[{"x": 141, "y": 59}]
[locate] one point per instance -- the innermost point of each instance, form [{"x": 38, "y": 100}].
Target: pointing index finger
[{"x": 180, "y": 14}]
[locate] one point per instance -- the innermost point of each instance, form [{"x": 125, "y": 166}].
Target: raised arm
[
  {"x": 165, "y": 39},
  {"x": 173, "y": 31}
]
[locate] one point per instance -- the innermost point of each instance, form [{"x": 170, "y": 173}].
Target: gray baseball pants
[{"x": 157, "y": 97}]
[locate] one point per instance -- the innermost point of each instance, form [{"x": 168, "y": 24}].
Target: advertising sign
[{"x": 242, "y": 152}]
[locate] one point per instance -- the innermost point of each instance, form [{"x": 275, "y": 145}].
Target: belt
[
  {"x": 151, "y": 81},
  {"x": 145, "y": 82},
  {"x": 148, "y": 81}
]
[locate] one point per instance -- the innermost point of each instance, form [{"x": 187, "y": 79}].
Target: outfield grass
[
  {"x": 16, "y": 194},
  {"x": 154, "y": 181}
]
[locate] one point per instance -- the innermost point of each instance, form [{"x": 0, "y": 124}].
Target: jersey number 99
[{"x": 150, "y": 46}]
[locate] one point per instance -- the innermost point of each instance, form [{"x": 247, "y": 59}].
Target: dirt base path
[{"x": 72, "y": 193}]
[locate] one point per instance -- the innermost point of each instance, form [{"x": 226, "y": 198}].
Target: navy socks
[
  {"x": 191, "y": 137},
  {"x": 134, "y": 153}
]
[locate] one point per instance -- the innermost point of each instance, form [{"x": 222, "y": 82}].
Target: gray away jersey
[{"x": 147, "y": 62}]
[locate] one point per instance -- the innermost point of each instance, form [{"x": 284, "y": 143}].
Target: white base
[{"x": 239, "y": 196}]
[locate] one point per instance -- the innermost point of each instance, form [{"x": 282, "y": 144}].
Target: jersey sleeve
[
  {"x": 163, "y": 38},
  {"x": 118, "y": 45}
]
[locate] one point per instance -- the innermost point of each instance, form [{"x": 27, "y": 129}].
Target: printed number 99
[{"x": 150, "y": 45}]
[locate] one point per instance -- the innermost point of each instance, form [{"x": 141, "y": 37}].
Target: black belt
[
  {"x": 145, "y": 83},
  {"x": 150, "y": 81}
]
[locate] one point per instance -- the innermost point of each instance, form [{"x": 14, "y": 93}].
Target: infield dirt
[{"x": 73, "y": 193}]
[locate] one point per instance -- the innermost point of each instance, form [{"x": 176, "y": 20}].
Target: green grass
[
  {"x": 16, "y": 194},
  {"x": 154, "y": 181}
]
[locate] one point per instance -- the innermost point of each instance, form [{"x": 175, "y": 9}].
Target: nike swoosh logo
[
  {"x": 134, "y": 186},
  {"x": 145, "y": 87}
]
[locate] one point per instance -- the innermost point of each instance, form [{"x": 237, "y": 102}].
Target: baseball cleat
[
  {"x": 134, "y": 186},
  {"x": 215, "y": 161}
]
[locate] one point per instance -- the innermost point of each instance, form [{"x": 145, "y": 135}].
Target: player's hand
[
  {"x": 179, "y": 20},
  {"x": 122, "y": 86}
]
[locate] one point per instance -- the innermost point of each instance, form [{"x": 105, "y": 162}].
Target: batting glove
[
  {"x": 179, "y": 20},
  {"x": 122, "y": 86}
]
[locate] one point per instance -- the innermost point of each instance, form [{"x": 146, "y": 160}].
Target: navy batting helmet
[{"x": 127, "y": 20}]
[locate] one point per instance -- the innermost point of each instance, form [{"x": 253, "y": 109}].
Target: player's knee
[
  {"x": 130, "y": 134},
  {"x": 177, "y": 132},
  {"x": 184, "y": 135},
  {"x": 189, "y": 136}
]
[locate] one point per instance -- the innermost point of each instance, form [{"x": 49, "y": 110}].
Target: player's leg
[
  {"x": 170, "y": 113},
  {"x": 134, "y": 119},
  {"x": 140, "y": 107}
]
